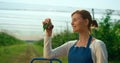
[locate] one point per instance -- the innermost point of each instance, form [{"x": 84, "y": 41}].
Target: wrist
[{"x": 49, "y": 33}]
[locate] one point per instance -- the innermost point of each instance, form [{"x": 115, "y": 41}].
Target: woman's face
[{"x": 78, "y": 23}]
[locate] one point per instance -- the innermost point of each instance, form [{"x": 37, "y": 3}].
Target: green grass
[
  {"x": 39, "y": 49},
  {"x": 64, "y": 59},
  {"x": 8, "y": 53}
]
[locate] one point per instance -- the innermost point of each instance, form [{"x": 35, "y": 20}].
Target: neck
[{"x": 84, "y": 36}]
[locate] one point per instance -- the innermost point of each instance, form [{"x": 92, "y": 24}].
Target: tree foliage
[{"x": 6, "y": 39}]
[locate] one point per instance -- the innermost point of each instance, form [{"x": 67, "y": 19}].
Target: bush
[{"x": 6, "y": 39}]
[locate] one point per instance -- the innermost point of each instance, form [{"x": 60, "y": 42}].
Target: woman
[{"x": 87, "y": 49}]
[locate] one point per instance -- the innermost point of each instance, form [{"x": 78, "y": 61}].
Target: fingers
[
  {"x": 47, "y": 20},
  {"x": 48, "y": 24},
  {"x": 50, "y": 27}
]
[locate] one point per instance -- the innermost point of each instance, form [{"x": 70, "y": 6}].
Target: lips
[{"x": 74, "y": 26}]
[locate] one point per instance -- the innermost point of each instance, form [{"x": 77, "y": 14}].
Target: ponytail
[{"x": 94, "y": 23}]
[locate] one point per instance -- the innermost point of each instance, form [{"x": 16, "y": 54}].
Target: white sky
[
  {"x": 33, "y": 17},
  {"x": 101, "y": 4}
]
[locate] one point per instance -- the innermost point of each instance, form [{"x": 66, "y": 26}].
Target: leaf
[{"x": 45, "y": 26}]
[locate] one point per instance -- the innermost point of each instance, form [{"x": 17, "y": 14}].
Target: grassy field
[
  {"x": 25, "y": 52},
  {"x": 20, "y": 53},
  {"x": 8, "y": 53},
  {"x": 39, "y": 49}
]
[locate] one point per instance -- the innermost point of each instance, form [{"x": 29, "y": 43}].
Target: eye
[{"x": 74, "y": 20}]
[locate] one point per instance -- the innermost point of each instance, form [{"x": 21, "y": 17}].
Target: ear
[{"x": 86, "y": 22}]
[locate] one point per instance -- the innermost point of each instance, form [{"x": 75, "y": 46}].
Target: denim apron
[{"x": 80, "y": 54}]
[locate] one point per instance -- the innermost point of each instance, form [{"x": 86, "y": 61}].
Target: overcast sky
[
  {"x": 31, "y": 18},
  {"x": 101, "y": 4}
]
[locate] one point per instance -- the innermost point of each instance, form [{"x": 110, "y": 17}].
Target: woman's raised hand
[{"x": 47, "y": 25}]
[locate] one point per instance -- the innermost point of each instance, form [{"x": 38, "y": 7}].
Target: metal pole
[{"x": 93, "y": 13}]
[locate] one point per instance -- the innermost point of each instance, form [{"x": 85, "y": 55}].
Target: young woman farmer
[{"x": 87, "y": 49}]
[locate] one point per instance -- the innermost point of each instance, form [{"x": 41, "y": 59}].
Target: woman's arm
[
  {"x": 57, "y": 52},
  {"x": 101, "y": 52}
]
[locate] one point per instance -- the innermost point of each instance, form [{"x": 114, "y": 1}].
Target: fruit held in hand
[{"x": 48, "y": 26}]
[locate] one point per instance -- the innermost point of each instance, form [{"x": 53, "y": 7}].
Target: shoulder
[
  {"x": 98, "y": 44},
  {"x": 72, "y": 42},
  {"x": 69, "y": 44}
]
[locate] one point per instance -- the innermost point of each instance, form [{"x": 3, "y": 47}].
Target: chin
[{"x": 75, "y": 31}]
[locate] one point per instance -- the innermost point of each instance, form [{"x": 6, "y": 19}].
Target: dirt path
[{"x": 27, "y": 55}]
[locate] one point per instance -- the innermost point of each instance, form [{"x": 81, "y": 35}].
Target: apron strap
[{"x": 89, "y": 41}]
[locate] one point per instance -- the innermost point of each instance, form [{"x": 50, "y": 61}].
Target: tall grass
[{"x": 9, "y": 53}]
